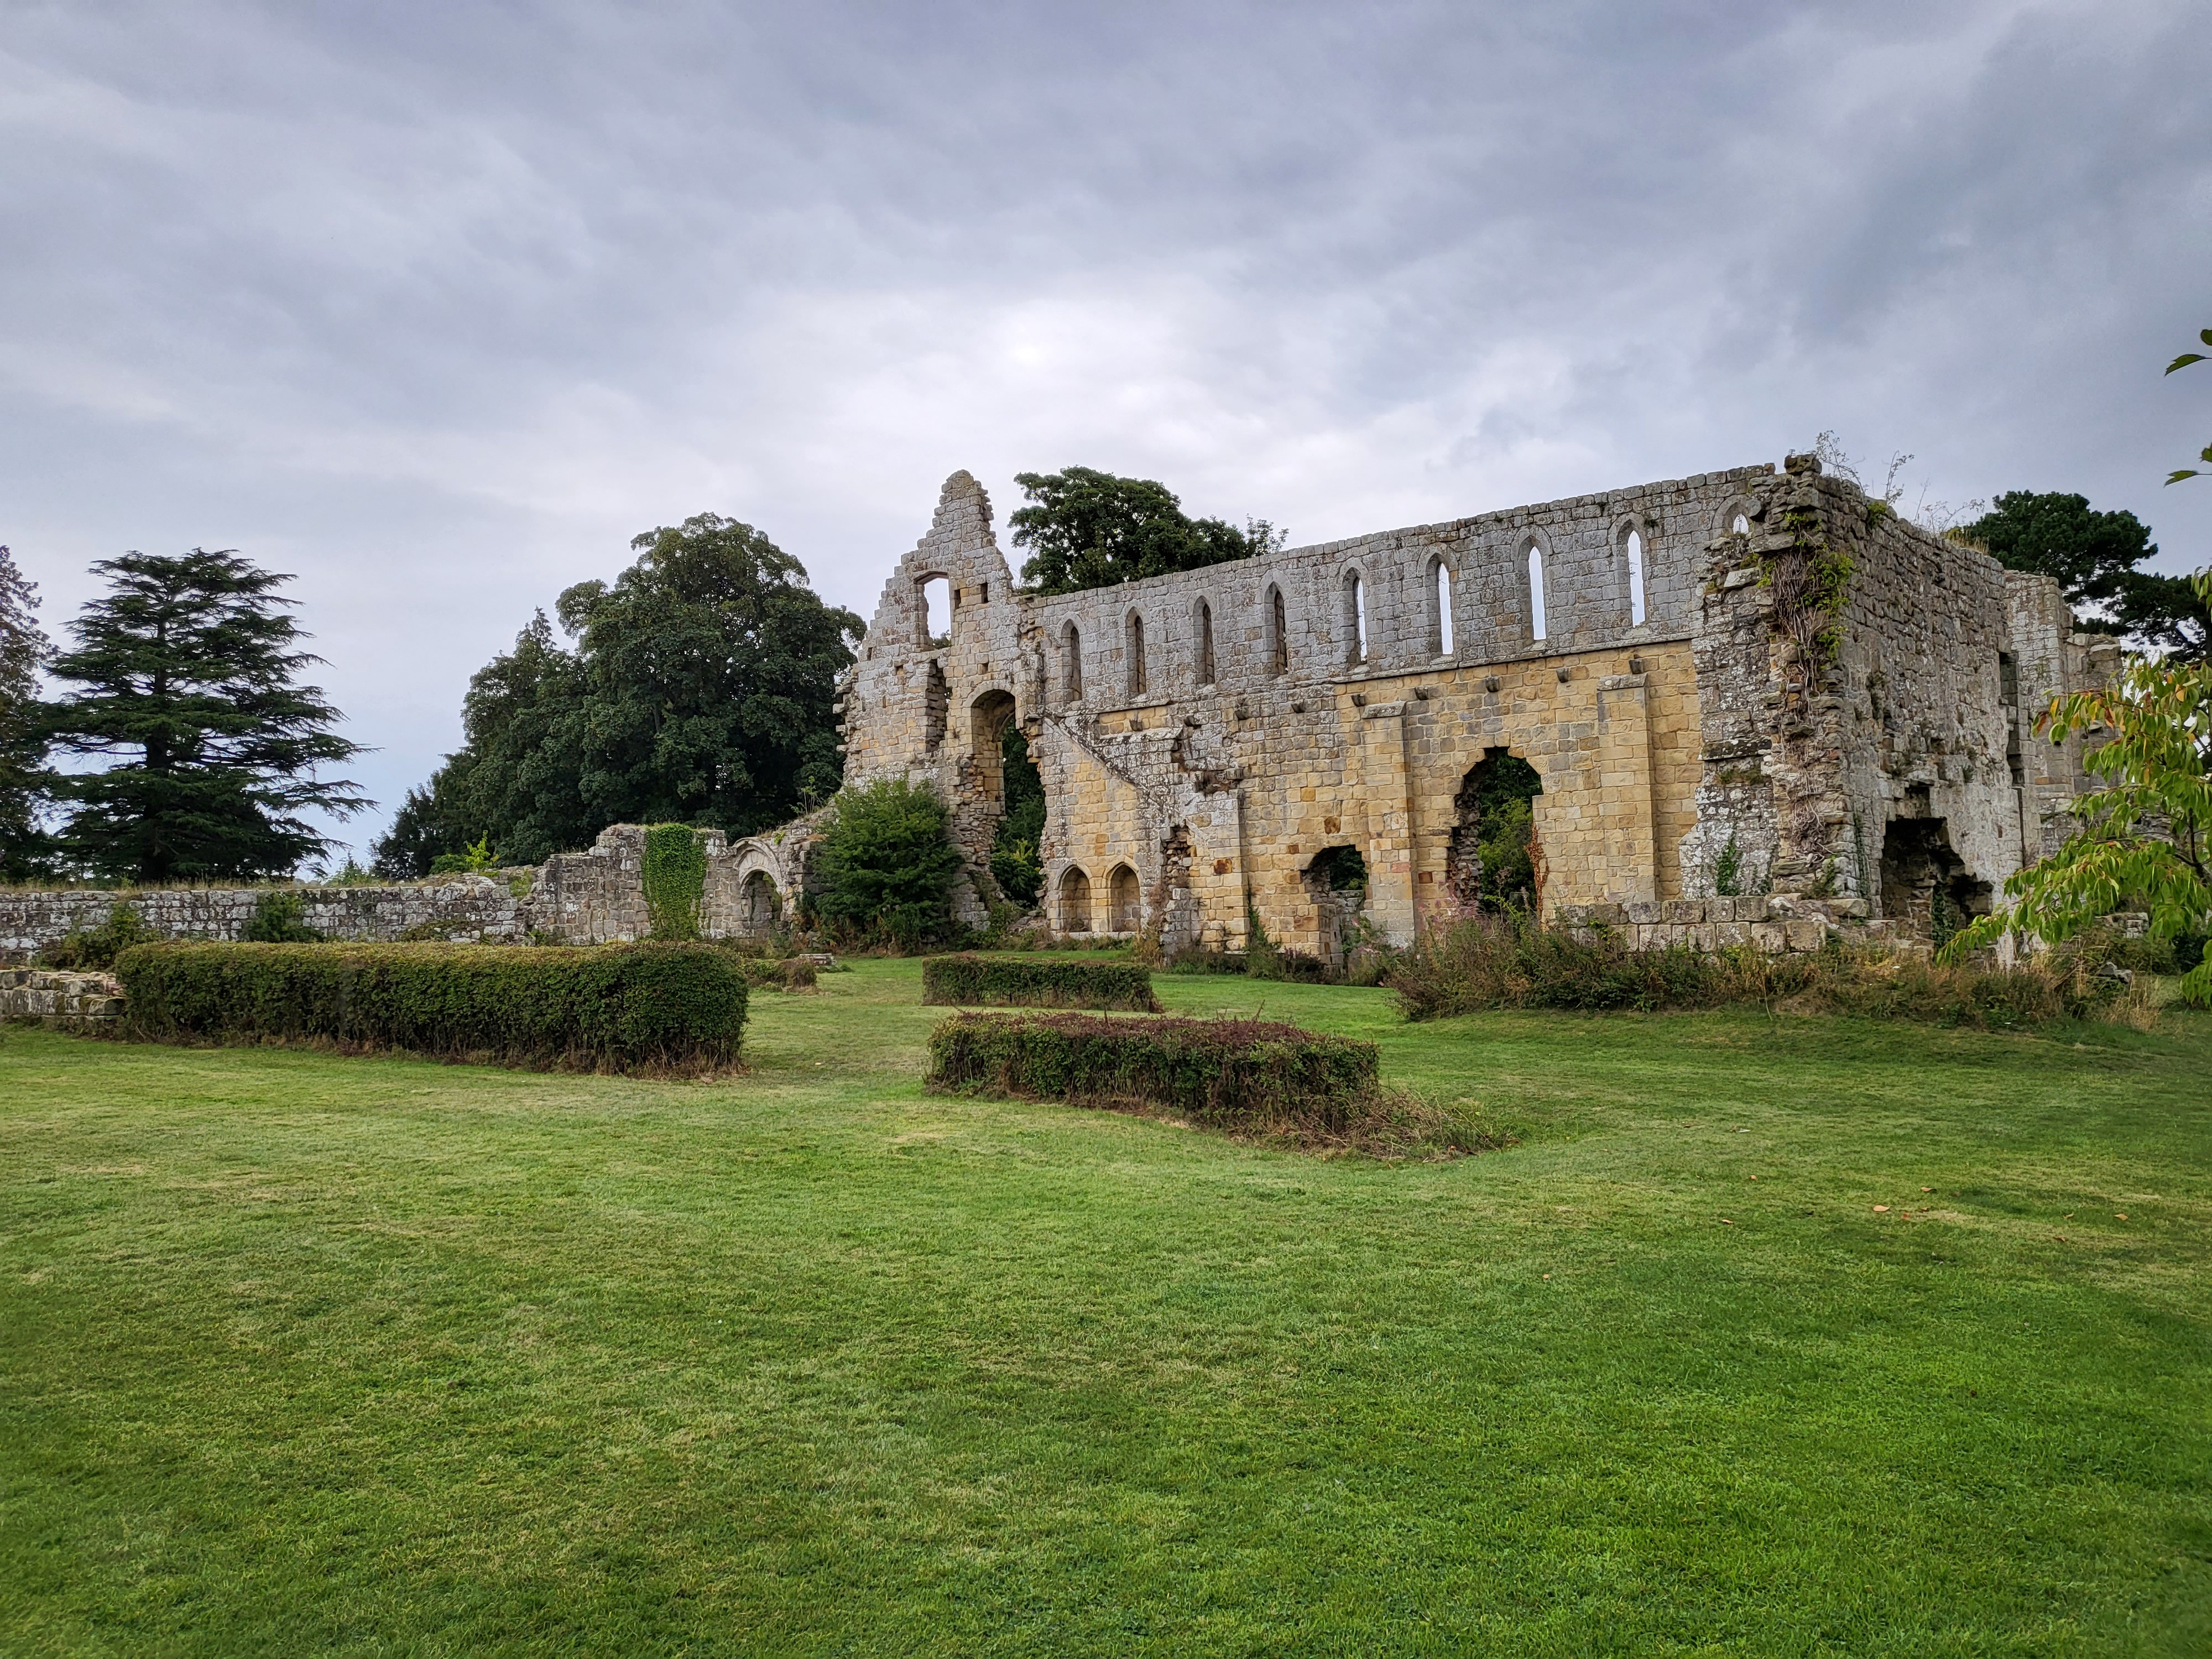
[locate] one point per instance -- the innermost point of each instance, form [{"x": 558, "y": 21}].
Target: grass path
[{"x": 300, "y": 1354}]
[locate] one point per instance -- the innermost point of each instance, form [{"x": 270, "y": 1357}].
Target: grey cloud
[{"x": 439, "y": 305}]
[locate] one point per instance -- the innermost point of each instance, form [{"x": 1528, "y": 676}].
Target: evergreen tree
[
  {"x": 2095, "y": 558},
  {"x": 23, "y": 848},
  {"x": 188, "y": 669}
]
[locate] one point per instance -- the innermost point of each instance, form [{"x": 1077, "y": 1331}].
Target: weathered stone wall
[
  {"x": 87, "y": 1003},
  {"x": 1203, "y": 738},
  {"x": 582, "y": 898}
]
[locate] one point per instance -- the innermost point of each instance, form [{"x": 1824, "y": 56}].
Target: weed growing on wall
[
  {"x": 279, "y": 918},
  {"x": 675, "y": 880},
  {"x": 95, "y": 948}
]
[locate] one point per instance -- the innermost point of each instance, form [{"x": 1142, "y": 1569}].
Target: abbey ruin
[{"x": 1760, "y": 706}]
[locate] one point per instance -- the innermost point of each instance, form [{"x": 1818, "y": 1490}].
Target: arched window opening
[
  {"x": 1440, "y": 620},
  {"x": 1136, "y": 655},
  {"x": 1071, "y": 681},
  {"x": 1125, "y": 901},
  {"x": 1016, "y": 861},
  {"x": 1278, "y": 633},
  {"x": 1355, "y": 618},
  {"x": 1205, "y": 643},
  {"x": 1537, "y": 625},
  {"x": 1074, "y": 901},
  {"x": 1493, "y": 861},
  {"x": 1635, "y": 550},
  {"x": 936, "y": 612},
  {"x": 988, "y": 721},
  {"x": 760, "y": 909},
  {"x": 1336, "y": 884}
]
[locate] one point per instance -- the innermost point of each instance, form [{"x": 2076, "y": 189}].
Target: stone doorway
[
  {"x": 1926, "y": 884},
  {"x": 1493, "y": 861}
]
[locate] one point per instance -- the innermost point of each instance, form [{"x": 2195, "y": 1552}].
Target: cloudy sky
[{"x": 438, "y": 304}]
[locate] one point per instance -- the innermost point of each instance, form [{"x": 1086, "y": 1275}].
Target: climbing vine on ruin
[
  {"x": 675, "y": 879},
  {"x": 1810, "y": 580}
]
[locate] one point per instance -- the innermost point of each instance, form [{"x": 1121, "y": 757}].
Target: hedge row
[
  {"x": 970, "y": 982},
  {"x": 655, "y": 1007},
  {"x": 1226, "y": 1073}
]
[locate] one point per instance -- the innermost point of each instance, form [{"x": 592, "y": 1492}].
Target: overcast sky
[{"x": 438, "y": 305}]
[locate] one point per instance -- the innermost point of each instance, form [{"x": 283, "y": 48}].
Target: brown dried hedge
[
  {"x": 1031, "y": 981},
  {"x": 1242, "y": 1074},
  {"x": 654, "y": 1007}
]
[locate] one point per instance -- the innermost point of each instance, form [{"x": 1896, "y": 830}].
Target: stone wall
[
  {"x": 1204, "y": 737},
  {"x": 87, "y": 1003},
  {"x": 583, "y": 898}
]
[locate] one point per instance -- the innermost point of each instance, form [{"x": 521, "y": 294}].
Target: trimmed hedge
[
  {"x": 972, "y": 982},
  {"x": 1227, "y": 1073},
  {"x": 651, "y": 1008}
]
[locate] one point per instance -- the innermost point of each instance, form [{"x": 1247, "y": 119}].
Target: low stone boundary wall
[
  {"x": 91, "y": 1003},
  {"x": 1775, "y": 923}
]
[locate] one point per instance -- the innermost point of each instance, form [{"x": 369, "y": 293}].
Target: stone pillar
[
  {"x": 1626, "y": 815},
  {"x": 1385, "y": 793}
]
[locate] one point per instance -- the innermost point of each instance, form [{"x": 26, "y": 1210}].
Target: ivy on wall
[{"x": 675, "y": 879}]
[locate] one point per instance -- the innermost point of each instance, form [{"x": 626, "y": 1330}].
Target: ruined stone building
[
  {"x": 1747, "y": 696},
  {"x": 1757, "y": 707}
]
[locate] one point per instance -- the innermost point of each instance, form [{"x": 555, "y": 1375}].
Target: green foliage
[
  {"x": 1090, "y": 529},
  {"x": 2145, "y": 840},
  {"x": 1226, "y": 1073},
  {"x": 2095, "y": 558},
  {"x": 1502, "y": 790},
  {"x": 472, "y": 860},
  {"x": 95, "y": 948},
  {"x": 279, "y": 918},
  {"x": 1728, "y": 870},
  {"x": 1037, "y": 981},
  {"x": 649, "y": 1007},
  {"x": 1811, "y": 582},
  {"x": 24, "y": 848},
  {"x": 1016, "y": 865},
  {"x": 1509, "y": 961},
  {"x": 188, "y": 671},
  {"x": 887, "y": 862},
  {"x": 699, "y": 690},
  {"x": 675, "y": 879},
  {"x": 2184, "y": 362}
]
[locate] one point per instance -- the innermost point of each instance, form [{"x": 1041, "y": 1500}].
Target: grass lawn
[{"x": 303, "y": 1354}]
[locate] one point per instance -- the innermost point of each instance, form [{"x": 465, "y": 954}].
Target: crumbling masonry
[{"x": 1759, "y": 705}]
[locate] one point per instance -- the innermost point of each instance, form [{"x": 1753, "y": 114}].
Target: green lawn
[{"x": 302, "y": 1354}]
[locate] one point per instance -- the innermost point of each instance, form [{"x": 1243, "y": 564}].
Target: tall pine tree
[{"x": 189, "y": 675}]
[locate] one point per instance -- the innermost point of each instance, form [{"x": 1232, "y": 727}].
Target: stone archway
[
  {"x": 1074, "y": 901},
  {"x": 1493, "y": 860},
  {"x": 1125, "y": 898},
  {"x": 759, "y": 910}
]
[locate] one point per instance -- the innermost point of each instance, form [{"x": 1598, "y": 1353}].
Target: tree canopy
[
  {"x": 887, "y": 861},
  {"x": 1086, "y": 528},
  {"x": 2095, "y": 558},
  {"x": 698, "y": 691},
  {"x": 188, "y": 671},
  {"x": 23, "y": 647}
]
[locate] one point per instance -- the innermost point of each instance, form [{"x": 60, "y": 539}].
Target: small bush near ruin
[
  {"x": 1508, "y": 962},
  {"x": 969, "y": 981},
  {"x": 93, "y": 950},
  {"x": 653, "y": 1008}
]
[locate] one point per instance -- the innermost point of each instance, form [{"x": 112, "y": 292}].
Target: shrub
[
  {"x": 675, "y": 880},
  {"x": 95, "y": 948},
  {"x": 1507, "y": 962},
  {"x": 969, "y": 981},
  {"x": 1243, "y": 1074},
  {"x": 793, "y": 974},
  {"x": 887, "y": 862},
  {"x": 279, "y": 918},
  {"x": 649, "y": 1007}
]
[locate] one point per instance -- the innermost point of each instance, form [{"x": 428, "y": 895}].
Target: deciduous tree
[{"x": 1086, "y": 528}]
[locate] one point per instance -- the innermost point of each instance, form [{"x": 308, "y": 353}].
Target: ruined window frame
[
  {"x": 1275, "y": 627},
  {"x": 1204, "y": 662},
  {"x": 1538, "y": 596},
  {"x": 1070, "y": 667},
  {"x": 1441, "y": 585},
  {"x": 1633, "y": 572},
  {"x": 1133, "y": 644},
  {"x": 1354, "y": 584},
  {"x": 924, "y": 639}
]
